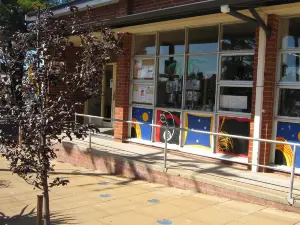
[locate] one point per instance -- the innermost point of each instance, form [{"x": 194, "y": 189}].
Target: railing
[{"x": 294, "y": 146}]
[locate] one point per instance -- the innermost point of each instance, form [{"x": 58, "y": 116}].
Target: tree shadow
[
  {"x": 4, "y": 183},
  {"x": 29, "y": 218}
]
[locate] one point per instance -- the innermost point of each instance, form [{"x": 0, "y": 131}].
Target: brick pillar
[
  {"x": 122, "y": 88},
  {"x": 269, "y": 89},
  {"x": 250, "y": 149}
]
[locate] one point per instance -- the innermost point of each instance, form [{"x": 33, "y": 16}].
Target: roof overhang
[
  {"x": 63, "y": 9},
  {"x": 205, "y": 7}
]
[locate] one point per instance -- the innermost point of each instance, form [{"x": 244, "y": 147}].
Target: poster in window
[
  {"x": 233, "y": 102},
  {"x": 141, "y": 131},
  {"x": 143, "y": 69},
  {"x": 202, "y": 123},
  {"x": 142, "y": 93},
  {"x": 234, "y": 126},
  {"x": 287, "y": 132},
  {"x": 171, "y": 119}
]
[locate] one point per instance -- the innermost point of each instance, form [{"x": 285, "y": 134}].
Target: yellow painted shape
[
  {"x": 286, "y": 150},
  {"x": 137, "y": 129},
  {"x": 145, "y": 117}
]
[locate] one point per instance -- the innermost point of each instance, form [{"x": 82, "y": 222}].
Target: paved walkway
[
  {"x": 268, "y": 186},
  {"x": 93, "y": 198}
]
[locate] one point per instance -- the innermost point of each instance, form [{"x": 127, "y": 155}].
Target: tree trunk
[{"x": 46, "y": 210}]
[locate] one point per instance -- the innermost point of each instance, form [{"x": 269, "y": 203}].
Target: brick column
[
  {"x": 122, "y": 88},
  {"x": 269, "y": 89}
]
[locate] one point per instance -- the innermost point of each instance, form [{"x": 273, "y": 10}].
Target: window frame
[{"x": 216, "y": 113}]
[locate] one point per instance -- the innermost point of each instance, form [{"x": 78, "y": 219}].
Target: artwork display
[
  {"x": 171, "y": 119},
  {"x": 143, "y": 116},
  {"x": 202, "y": 123},
  {"x": 143, "y": 69},
  {"x": 234, "y": 126},
  {"x": 142, "y": 93},
  {"x": 289, "y": 132}
]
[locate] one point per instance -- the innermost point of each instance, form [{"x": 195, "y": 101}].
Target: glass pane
[
  {"x": 171, "y": 42},
  {"x": 144, "y": 45},
  {"x": 289, "y": 102},
  {"x": 204, "y": 39},
  {"x": 236, "y": 99},
  {"x": 239, "y": 36},
  {"x": 233, "y": 126},
  {"x": 138, "y": 130},
  {"x": 201, "y": 82},
  {"x": 169, "y": 82},
  {"x": 171, "y": 119},
  {"x": 237, "y": 67},
  {"x": 142, "y": 93},
  {"x": 290, "y": 33},
  {"x": 143, "y": 69},
  {"x": 290, "y": 67}
]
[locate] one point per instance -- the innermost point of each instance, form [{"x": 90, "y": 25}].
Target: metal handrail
[{"x": 293, "y": 144}]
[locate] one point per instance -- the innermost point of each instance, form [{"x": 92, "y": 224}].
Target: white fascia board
[{"x": 81, "y": 6}]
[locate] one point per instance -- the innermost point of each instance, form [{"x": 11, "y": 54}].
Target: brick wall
[
  {"x": 122, "y": 88},
  {"x": 269, "y": 89}
]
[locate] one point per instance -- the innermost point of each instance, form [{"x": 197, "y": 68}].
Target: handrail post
[
  {"x": 165, "y": 150},
  {"x": 90, "y": 135},
  {"x": 75, "y": 121},
  {"x": 290, "y": 197}
]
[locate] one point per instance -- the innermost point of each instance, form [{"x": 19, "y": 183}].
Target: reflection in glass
[
  {"x": 169, "y": 82},
  {"x": 290, "y": 67},
  {"x": 144, "y": 45},
  {"x": 171, "y": 42},
  {"x": 201, "y": 82},
  {"x": 204, "y": 39},
  {"x": 235, "y": 99},
  {"x": 143, "y": 69},
  {"x": 237, "y": 67},
  {"x": 290, "y": 33},
  {"x": 289, "y": 102},
  {"x": 238, "y": 36}
]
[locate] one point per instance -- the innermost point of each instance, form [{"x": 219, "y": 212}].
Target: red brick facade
[{"x": 122, "y": 88}]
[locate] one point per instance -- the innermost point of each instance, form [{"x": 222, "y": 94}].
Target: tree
[{"x": 33, "y": 63}]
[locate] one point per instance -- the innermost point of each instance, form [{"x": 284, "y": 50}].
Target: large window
[
  {"x": 196, "y": 74},
  {"x": 289, "y": 72},
  {"x": 287, "y": 115}
]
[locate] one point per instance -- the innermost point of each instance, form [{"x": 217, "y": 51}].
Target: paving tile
[
  {"x": 235, "y": 223},
  {"x": 195, "y": 202},
  {"x": 266, "y": 219},
  {"x": 214, "y": 216},
  {"x": 131, "y": 218},
  {"x": 184, "y": 221},
  {"x": 242, "y": 208},
  {"x": 163, "y": 210}
]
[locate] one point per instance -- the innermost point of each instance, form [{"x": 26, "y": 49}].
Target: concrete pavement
[{"x": 94, "y": 198}]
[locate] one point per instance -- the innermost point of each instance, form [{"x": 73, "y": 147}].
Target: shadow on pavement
[
  {"x": 4, "y": 183},
  {"x": 30, "y": 218}
]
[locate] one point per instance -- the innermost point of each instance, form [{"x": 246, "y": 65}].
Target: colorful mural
[
  {"x": 143, "y": 116},
  {"x": 171, "y": 119},
  {"x": 289, "y": 132},
  {"x": 234, "y": 126},
  {"x": 198, "y": 122}
]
